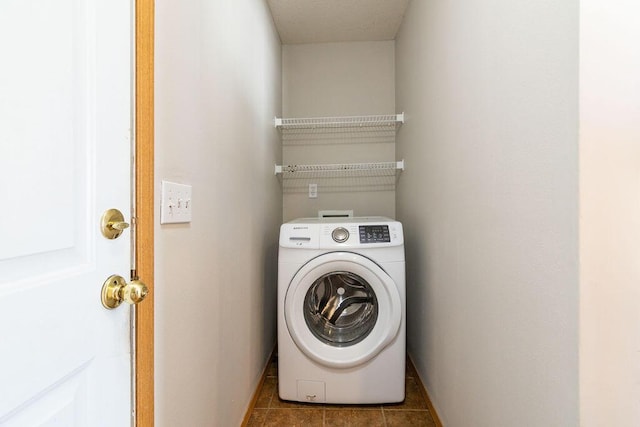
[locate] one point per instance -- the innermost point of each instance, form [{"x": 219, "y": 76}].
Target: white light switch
[{"x": 175, "y": 203}]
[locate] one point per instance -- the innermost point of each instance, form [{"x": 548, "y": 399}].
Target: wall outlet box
[
  {"x": 175, "y": 203},
  {"x": 313, "y": 191}
]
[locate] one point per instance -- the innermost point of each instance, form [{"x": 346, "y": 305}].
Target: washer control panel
[
  {"x": 364, "y": 232},
  {"x": 340, "y": 235},
  {"x": 374, "y": 234}
]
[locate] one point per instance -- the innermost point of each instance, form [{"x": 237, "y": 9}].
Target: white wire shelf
[
  {"x": 302, "y": 125},
  {"x": 379, "y": 176},
  {"x": 341, "y": 169}
]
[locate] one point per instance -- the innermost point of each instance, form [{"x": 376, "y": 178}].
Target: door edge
[{"x": 144, "y": 179}]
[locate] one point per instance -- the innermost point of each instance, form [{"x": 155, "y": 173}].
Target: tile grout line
[
  {"x": 269, "y": 406},
  {"x": 384, "y": 417},
  {"x": 275, "y": 389}
]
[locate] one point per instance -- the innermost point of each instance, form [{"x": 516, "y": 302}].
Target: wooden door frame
[{"x": 144, "y": 181}]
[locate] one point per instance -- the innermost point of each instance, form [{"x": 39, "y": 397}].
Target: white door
[{"x": 65, "y": 118}]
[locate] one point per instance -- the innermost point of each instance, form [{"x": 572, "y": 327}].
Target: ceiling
[{"x": 323, "y": 21}]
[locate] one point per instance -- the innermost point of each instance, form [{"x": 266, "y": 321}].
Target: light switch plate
[{"x": 175, "y": 203}]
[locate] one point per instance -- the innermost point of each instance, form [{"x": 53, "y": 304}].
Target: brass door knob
[{"x": 116, "y": 290}]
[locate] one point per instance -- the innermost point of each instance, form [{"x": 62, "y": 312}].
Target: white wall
[
  {"x": 490, "y": 207},
  {"x": 609, "y": 213},
  {"x": 339, "y": 79},
  {"x": 218, "y": 87}
]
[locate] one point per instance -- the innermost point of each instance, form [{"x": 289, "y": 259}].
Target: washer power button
[{"x": 340, "y": 234}]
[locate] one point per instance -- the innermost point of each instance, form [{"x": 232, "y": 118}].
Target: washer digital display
[{"x": 374, "y": 234}]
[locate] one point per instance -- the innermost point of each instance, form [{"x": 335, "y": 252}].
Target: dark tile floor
[{"x": 270, "y": 410}]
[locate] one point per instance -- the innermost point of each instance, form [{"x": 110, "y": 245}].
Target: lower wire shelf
[{"x": 378, "y": 176}]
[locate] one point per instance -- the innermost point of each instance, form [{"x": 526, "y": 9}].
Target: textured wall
[
  {"x": 218, "y": 87},
  {"x": 489, "y": 201},
  {"x": 339, "y": 79}
]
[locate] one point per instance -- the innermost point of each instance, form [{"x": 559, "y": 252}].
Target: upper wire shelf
[{"x": 376, "y": 122}]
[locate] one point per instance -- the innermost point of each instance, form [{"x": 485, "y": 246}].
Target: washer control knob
[{"x": 340, "y": 234}]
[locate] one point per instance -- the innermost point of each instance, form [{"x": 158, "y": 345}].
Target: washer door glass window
[{"x": 340, "y": 309}]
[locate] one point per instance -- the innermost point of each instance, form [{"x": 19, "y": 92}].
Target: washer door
[{"x": 342, "y": 309}]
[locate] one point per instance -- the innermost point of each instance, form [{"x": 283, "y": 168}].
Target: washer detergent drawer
[{"x": 311, "y": 391}]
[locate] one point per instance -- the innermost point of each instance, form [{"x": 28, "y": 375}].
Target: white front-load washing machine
[{"x": 341, "y": 311}]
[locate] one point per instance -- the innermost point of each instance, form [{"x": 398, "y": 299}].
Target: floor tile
[
  {"x": 410, "y": 370},
  {"x": 294, "y": 418},
  {"x": 413, "y": 397},
  {"x": 272, "y": 369},
  {"x": 354, "y": 418},
  {"x": 337, "y": 417},
  {"x": 270, "y": 410},
  {"x": 266, "y": 393},
  {"x": 258, "y": 417},
  {"x": 404, "y": 418}
]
